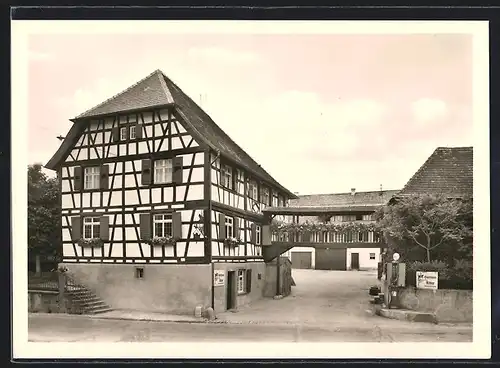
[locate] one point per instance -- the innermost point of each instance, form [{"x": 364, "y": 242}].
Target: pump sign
[{"x": 427, "y": 280}]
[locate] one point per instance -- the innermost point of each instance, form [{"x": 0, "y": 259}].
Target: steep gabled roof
[
  {"x": 345, "y": 200},
  {"x": 150, "y": 91},
  {"x": 448, "y": 171},
  {"x": 158, "y": 90}
]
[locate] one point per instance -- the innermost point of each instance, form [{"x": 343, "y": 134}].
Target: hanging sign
[
  {"x": 427, "y": 280},
  {"x": 219, "y": 277}
]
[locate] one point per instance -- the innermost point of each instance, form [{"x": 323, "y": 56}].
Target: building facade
[
  {"x": 348, "y": 251},
  {"x": 161, "y": 210}
]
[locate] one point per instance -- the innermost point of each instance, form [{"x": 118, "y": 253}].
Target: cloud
[
  {"x": 428, "y": 110},
  {"x": 223, "y": 55},
  {"x": 40, "y": 56},
  {"x": 84, "y": 99}
]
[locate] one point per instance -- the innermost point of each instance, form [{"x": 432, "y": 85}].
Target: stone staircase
[{"x": 85, "y": 301}]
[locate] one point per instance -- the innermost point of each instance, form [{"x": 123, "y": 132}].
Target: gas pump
[{"x": 396, "y": 276}]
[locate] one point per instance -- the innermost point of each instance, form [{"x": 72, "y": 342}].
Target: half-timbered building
[{"x": 161, "y": 210}]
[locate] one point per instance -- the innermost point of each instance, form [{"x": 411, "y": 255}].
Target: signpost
[
  {"x": 427, "y": 280},
  {"x": 219, "y": 277}
]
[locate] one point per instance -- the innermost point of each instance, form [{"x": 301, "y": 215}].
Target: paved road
[{"x": 65, "y": 328}]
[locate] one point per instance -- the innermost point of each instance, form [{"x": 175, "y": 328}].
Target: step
[
  {"x": 99, "y": 310},
  {"x": 91, "y": 303}
]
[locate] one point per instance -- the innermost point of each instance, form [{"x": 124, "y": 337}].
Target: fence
[
  {"x": 328, "y": 237},
  {"x": 48, "y": 281}
]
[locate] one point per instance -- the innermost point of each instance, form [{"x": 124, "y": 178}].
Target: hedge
[{"x": 458, "y": 277}]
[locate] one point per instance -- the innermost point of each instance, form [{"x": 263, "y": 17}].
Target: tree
[
  {"x": 44, "y": 215},
  {"x": 428, "y": 222}
]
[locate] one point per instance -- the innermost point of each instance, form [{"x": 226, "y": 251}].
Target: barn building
[
  {"x": 161, "y": 210},
  {"x": 351, "y": 251}
]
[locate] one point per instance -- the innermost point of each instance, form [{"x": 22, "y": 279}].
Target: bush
[{"x": 458, "y": 277}]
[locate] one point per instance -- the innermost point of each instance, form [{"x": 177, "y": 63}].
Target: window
[
  {"x": 139, "y": 273},
  {"x": 91, "y": 227},
  {"x": 367, "y": 217},
  {"x": 163, "y": 171},
  {"x": 349, "y": 218},
  {"x": 241, "y": 281},
  {"x": 257, "y": 235},
  {"x": 275, "y": 201},
  {"x": 229, "y": 221},
  {"x": 252, "y": 190},
  {"x": 162, "y": 225},
  {"x": 265, "y": 196},
  {"x": 91, "y": 177},
  {"x": 132, "y": 132},
  {"x": 123, "y": 133},
  {"x": 227, "y": 177},
  {"x": 372, "y": 255}
]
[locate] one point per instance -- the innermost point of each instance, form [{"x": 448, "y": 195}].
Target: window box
[
  {"x": 94, "y": 242},
  {"x": 161, "y": 241},
  {"x": 231, "y": 242}
]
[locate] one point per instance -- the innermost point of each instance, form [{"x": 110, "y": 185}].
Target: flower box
[
  {"x": 161, "y": 241},
  {"x": 94, "y": 242},
  {"x": 231, "y": 242}
]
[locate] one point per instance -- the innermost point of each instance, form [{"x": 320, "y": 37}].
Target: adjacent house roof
[
  {"x": 358, "y": 199},
  {"x": 157, "y": 90},
  {"x": 448, "y": 171}
]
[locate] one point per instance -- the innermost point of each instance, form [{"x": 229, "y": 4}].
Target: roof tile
[{"x": 448, "y": 171}]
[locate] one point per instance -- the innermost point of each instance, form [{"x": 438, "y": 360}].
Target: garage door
[
  {"x": 301, "y": 259},
  {"x": 330, "y": 259}
]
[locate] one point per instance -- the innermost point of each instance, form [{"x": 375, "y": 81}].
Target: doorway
[
  {"x": 354, "y": 261},
  {"x": 230, "y": 294}
]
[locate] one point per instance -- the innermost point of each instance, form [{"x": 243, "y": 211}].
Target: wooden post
[
  {"x": 62, "y": 289},
  {"x": 278, "y": 274},
  {"x": 38, "y": 265}
]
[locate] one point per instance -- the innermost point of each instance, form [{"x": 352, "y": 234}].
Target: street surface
[
  {"x": 55, "y": 328},
  {"x": 325, "y": 306}
]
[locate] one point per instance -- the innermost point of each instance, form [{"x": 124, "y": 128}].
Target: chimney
[{"x": 353, "y": 191}]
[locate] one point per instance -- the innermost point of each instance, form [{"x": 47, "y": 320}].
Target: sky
[{"x": 322, "y": 113}]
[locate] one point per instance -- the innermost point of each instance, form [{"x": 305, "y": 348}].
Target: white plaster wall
[{"x": 364, "y": 257}]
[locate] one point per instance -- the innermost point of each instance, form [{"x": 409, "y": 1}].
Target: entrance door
[
  {"x": 301, "y": 259},
  {"x": 355, "y": 261},
  {"x": 231, "y": 278}
]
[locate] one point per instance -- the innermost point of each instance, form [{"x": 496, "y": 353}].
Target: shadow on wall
[{"x": 286, "y": 280}]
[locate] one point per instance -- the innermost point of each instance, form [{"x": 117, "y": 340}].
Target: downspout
[{"x": 208, "y": 220}]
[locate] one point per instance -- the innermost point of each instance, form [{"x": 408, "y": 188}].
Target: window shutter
[
  {"x": 115, "y": 133},
  {"x": 236, "y": 230},
  {"x": 104, "y": 177},
  {"x": 249, "y": 281},
  {"x": 254, "y": 234},
  {"x": 176, "y": 225},
  {"x": 145, "y": 226},
  {"x": 104, "y": 228},
  {"x": 177, "y": 170},
  {"x": 76, "y": 228},
  {"x": 138, "y": 131},
  {"x": 146, "y": 172},
  {"x": 222, "y": 226},
  {"x": 77, "y": 181},
  {"x": 234, "y": 184}
]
